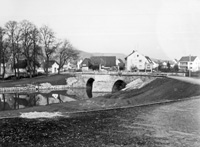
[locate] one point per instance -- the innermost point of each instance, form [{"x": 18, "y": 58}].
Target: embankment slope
[{"x": 159, "y": 90}]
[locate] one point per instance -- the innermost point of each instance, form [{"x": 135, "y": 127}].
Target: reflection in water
[
  {"x": 10, "y": 101},
  {"x": 89, "y": 87},
  {"x": 89, "y": 92}
]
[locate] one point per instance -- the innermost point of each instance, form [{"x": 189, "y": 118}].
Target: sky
[{"x": 162, "y": 29}]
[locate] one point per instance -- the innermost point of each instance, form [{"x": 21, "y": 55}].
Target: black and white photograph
[{"x": 100, "y": 73}]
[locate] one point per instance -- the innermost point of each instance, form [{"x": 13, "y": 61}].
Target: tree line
[{"x": 24, "y": 40}]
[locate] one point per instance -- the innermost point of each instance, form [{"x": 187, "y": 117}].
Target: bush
[
  {"x": 134, "y": 68},
  {"x": 79, "y": 70}
]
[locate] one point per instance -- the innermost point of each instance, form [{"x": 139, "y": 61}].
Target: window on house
[{"x": 140, "y": 60}]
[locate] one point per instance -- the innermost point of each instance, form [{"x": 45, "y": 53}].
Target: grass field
[{"x": 53, "y": 79}]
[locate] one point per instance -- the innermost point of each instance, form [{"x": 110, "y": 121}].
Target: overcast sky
[{"x": 164, "y": 29}]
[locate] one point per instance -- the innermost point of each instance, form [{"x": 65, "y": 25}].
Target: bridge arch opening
[
  {"x": 89, "y": 85},
  {"x": 118, "y": 85}
]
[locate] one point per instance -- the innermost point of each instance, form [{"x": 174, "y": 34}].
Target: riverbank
[
  {"x": 158, "y": 91},
  {"x": 51, "y": 82},
  {"x": 52, "y": 79}
]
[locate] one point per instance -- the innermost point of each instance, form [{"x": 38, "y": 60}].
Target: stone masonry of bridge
[{"x": 103, "y": 82}]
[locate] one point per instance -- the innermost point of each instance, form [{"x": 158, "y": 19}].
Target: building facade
[
  {"x": 137, "y": 61},
  {"x": 191, "y": 63},
  {"x": 98, "y": 62}
]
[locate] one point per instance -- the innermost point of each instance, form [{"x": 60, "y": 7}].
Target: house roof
[
  {"x": 175, "y": 60},
  {"x": 107, "y": 61},
  {"x": 121, "y": 63},
  {"x": 149, "y": 59},
  {"x": 50, "y": 63},
  {"x": 86, "y": 61},
  {"x": 187, "y": 58},
  {"x": 120, "y": 60},
  {"x": 129, "y": 54}
]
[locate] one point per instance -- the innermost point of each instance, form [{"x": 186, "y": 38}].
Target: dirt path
[{"x": 186, "y": 79}]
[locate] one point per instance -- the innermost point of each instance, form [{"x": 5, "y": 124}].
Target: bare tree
[
  {"x": 37, "y": 50},
  {"x": 48, "y": 40},
  {"x": 11, "y": 31},
  {"x": 18, "y": 47},
  {"x": 6, "y": 54},
  {"x": 1, "y": 45},
  {"x": 27, "y": 43},
  {"x": 4, "y": 51},
  {"x": 66, "y": 53}
]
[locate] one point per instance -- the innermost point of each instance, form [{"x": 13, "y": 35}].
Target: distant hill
[{"x": 84, "y": 54}]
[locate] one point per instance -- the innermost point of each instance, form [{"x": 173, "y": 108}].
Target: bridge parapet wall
[{"x": 103, "y": 82}]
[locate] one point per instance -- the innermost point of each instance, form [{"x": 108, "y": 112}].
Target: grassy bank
[
  {"x": 52, "y": 79},
  {"x": 159, "y": 90}
]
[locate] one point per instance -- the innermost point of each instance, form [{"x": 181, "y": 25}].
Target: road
[
  {"x": 164, "y": 125},
  {"x": 186, "y": 79}
]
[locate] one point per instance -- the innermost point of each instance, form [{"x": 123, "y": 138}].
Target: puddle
[{"x": 41, "y": 114}]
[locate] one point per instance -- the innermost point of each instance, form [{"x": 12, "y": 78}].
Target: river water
[{"x": 12, "y": 101}]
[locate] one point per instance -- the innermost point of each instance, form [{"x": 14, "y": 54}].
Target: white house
[
  {"x": 79, "y": 63},
  {"x": 1, "y": 69},
  {"x": 191, "y": 63},
  {"x": 138, "y": 61},
  {"x": 164, "y": 64},
  {"x": 52, "y": 66}
]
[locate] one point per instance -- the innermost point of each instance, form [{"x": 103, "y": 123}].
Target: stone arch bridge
[{"x": 105, "y": 82}]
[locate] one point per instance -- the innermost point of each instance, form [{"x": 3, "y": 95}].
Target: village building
[
  {"x": 1, "y": 69},
  {"x": 21, "y": 65},
  {"x": 24, "y": 70},
  {"x": 120, "y": 64},
  {"x": 138, "y": 62},
  {"x": 67, "y": 66},
  {"x": 173, "y": 63},
  {"x": 79, "y": 63},
  {"x": 86, "y": 64},
  {"x": 52, "y": 66},
  {"x": 103, "y": 62},
  {"x": 99, "y": 63},
  {"x": 163, "y": 64},
  {"x": 191, "y": 63}
]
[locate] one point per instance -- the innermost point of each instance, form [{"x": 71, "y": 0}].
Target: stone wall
[
  {"x": 103, "y": 82},
  {"x": 31, "y": 88}
]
